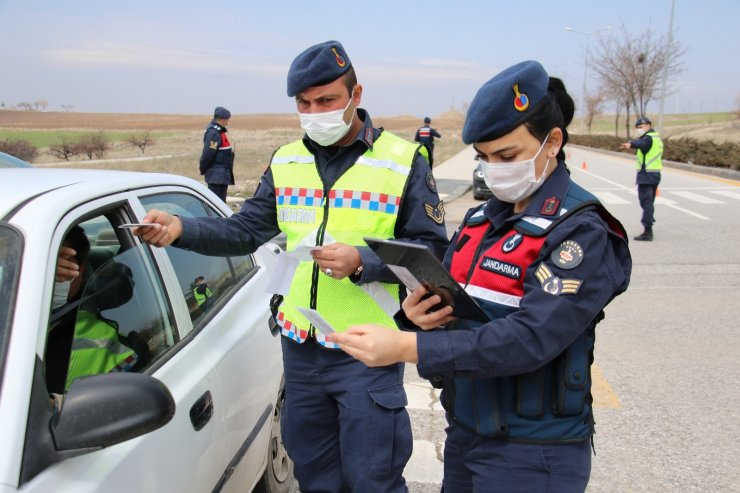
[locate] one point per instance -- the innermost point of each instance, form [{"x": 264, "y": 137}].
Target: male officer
[
  {"x": 217, "y": 159},
  {"x": 344, "y": 425},
  {"x": 425, "y": 135},
  {"x": 649, "y": 163}
]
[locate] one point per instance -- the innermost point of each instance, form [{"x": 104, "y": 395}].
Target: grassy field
[{"x": 255, "y": 137}]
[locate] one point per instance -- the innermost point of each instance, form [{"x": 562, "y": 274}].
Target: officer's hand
[
  {"x": 342, "y": 259},
  {"x": 67, "y": 268},
  {"x": 418, "y": 310},
  {"x": 167, "y": 228},
  {"x": 377, "y": 346},
  {"x": 625, "y": 145}
]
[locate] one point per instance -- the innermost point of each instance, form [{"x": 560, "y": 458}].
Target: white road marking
[
  {"x": 727, "y": 193},
  {"x": 696, "y": 197},
  {"x": 610, "y": 198}
]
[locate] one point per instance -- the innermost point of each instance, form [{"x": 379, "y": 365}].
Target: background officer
[
  {"x": 217, "y": 159},
  {"x": 425, "y": 135},
  {"x": 649, "y": 164},
  {"x": 344, "y": 425},
  {"x": 542, "y": 258}
]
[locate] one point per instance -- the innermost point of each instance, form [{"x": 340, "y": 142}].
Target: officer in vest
[
  {"x": 217, "y": 159},
  {"x": 649, "y": 164},
  {"x": 425, "y": 135},
  {"x": 201, "y": 292},
  {"x": 542, "y": 258},
  {"x": 344, "y": 425}
]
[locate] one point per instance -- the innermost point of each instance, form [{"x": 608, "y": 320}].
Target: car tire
[{"x": 278, "y": 475}]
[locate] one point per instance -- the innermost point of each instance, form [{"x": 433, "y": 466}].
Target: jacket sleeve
[
  {"x": 545, "y": 324},
  {"x": 416, "y": 137},
  {"x": 436, "y": 134},
  {"x": 211, "y": 144}
]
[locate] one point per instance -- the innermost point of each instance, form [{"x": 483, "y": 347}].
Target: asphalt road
[{"x": 666, "y": 370}]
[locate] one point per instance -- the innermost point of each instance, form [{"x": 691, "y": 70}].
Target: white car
[{"x": 179, "y": 390}]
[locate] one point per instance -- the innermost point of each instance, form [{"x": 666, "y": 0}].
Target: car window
[
  {"x": 204, "y": 280},
  {"x": 115, "y": 316},
  {"x": 11, "y": 246}
]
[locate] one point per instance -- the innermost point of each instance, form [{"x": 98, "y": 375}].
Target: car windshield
[
  {"x": 11, "y": 245},
  {"x": 8, "y": 161}
]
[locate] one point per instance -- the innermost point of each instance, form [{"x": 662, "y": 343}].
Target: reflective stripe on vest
[
  {"x": 653, "y": 160},
  {"x": 96, "y": 349},
  {"x": 364, "y": 201}
]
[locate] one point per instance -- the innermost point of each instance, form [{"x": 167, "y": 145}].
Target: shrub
[{"x": 22, "y": 149}]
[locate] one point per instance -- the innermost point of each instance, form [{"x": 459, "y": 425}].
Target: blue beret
[
  {"x": 505, "y": 102},
  {"x": 221, "y": 112},
  {"x": 642, "y": 121},
  {"x": 318, "y": 65}
]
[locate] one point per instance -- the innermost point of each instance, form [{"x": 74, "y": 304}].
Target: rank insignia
[
  {"x": 431, "y": 182},
  {"x": 568, "y": 255},
  {"x": 213, "y": 144},
  {"x": 550, "y": 207},
  {"x": 553, "y": 284},
  {"x": 512, "y": 242},
  {"x": 521, "y": 101},
  {"x": 435, "y": 213}
]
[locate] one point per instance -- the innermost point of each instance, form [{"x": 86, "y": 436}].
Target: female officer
[{"x": 542, "y": 258}]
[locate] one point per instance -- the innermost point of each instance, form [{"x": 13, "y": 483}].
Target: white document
[
  {"x": 405, "y": 276},
  {"x": 317, "y": 320},
  {"x": 287, "y": 262}
]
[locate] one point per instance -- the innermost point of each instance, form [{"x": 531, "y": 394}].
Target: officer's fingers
[
  {"x": 414, "y": 297},
  {"x": 67, "y": 252},
  {"x": 159, "y": 238}
]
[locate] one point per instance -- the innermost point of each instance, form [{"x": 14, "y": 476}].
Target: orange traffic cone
[
  {"x": 583, "y": 165},
  {"x": 568, "y": 154},
  {"x": 657, "y": 192}
]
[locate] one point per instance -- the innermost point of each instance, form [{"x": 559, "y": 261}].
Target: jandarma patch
[
  {"x": 339, "y": 58},
  {"x": 553, "y": 284},
  {"x": 568, "y": 255},
  {"x": 521, "y": 101},
  {"x": 435, "y": 213},
  {"x": 500, "y": 267},
  {"x": 431, "y": 182},
  {"x": 213, "y": 144}
]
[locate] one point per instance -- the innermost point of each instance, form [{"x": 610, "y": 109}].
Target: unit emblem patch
[
  {"x": 553, "y": 284},
  {"x": 568, "y": 255},
  {"x": 435, "y": 213},
  {"x": 512, "y": 242}
]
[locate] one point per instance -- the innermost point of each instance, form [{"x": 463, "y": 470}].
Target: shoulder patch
[
  {"x": 435, "y": 213},
  {"x": 512, "y": 242},
  {"x": 568, "y": 255},
  {"x": 550, "y": 207},
  {"x": 213, "y": 144},
  {"x": 431, "y": 182}
]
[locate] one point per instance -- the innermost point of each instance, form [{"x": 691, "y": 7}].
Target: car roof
[{"x": 20, "y": 185}]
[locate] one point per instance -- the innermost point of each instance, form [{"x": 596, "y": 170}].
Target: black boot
[{"x": 646, "y": 235}]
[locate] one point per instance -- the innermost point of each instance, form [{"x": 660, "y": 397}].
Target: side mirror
[{"x": 103, "y": 410}]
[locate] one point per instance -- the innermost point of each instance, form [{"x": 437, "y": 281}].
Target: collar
[
  {"x": 545, "y": 202},
  {"x": 366, "y": 136},
  {"x": 218, "y": 127}
]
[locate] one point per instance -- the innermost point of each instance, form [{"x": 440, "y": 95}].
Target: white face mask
[
  {"x": 641, "y": 131},
  {"x": 513, "y": 182},
  {"x": 60, "y": 293},
  {"x": 326, "y": 128}
]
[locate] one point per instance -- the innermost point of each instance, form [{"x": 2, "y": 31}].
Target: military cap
[
  {"x": 318, "y": 65},
  {"x": 505, "y": 102},
  {"x": 642, "y": 121},
  {"x": 221, "y": 112}
]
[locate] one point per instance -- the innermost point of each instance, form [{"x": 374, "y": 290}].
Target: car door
[
  {"x": 184, "y": 455},
  {"x": 231, "y": 319}
]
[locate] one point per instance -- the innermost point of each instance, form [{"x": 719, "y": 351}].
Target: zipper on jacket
[{"x": 315, "y": 273}]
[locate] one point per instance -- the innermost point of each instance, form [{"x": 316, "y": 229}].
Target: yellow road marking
[{"x": 604, "y": 396}]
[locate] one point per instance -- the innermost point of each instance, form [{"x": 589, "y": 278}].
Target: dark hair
[
  {"x": 77, "y": 240},
  {"x": 556, "y": 110},
  {"x": 350, "y": 80}
]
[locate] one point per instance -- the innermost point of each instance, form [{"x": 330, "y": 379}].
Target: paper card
[
  {"x": 405, "y": 276},
  {"x": 317, "y": 320},
  {"x": 282, "y": 274}
]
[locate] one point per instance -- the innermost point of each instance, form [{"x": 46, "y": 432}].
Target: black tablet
[{"x": 416, "y": 265}]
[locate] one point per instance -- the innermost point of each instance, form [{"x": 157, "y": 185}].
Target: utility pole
[{"x": 665, "y": 70}]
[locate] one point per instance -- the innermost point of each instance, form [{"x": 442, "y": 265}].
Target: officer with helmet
[
  {"x": 425, "y": 136},
  {"x": 649, "y": 147},
  {"x": 344, "y": 425},
  {"x": 542, "y": 258}
]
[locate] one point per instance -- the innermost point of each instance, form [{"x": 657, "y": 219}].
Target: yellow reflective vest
[
  {"x": 653, "y": 160},
  {"x": 96, "y": 349},
  {"x": 364, "y": 202}
]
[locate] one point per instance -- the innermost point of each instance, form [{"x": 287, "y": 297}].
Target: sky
[{"x": 412, "y": 58}]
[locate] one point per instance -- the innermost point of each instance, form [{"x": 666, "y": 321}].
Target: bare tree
[
  {"x": 22, "y": 149},
  {"x": 67, "y": 107},
  {"x": 142, "y": 140},
  {"x": 629, "y": 68},
  {"x": 40, "y": 104},
  {"x": 64, "y": 149},
  {"x": 93, "y": 145},
  {"x": 25, "y": 106},
  {"x": 594, "y": 103}
]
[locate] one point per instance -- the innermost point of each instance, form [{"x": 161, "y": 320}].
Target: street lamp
[{"x": 585, "y": 70}]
